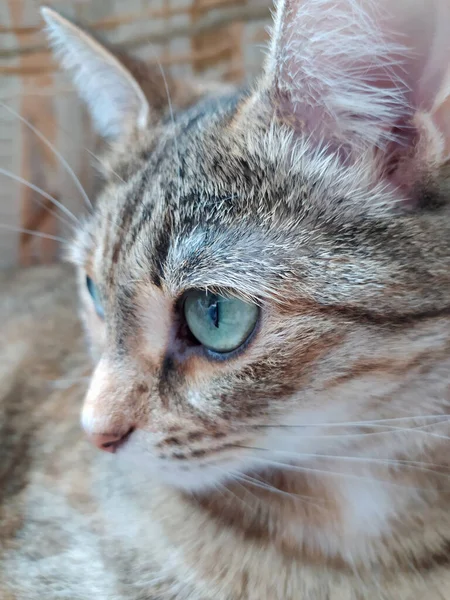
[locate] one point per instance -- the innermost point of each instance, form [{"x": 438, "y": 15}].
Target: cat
[{"x": 264, "y": 284}]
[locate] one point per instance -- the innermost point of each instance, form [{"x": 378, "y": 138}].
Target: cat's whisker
[
  {"x": 386, "y": 431},
  {"x": 391, "y": 431},
  {"x": 61, "y": 219},
  {"x": 49, "y": 145},
  {"x": 217, "y": 487},
  {"x": 443, "y": 417},
  {"x": 67, "y": 133},
  {"x": 419, "y": 429},
  {"x": 245, "y": 477},
  {"x": 50, "y": 211},
  {"x": 70, "y": 224},
  {"x": 234, "y": 495},
  {"x": 389, "y": 428},
  {"x": 237, "y": 481},
  {"x": 419, "y": 465},
  {"x": 238, "y": 475},
  {"x": 172, "y": 118},
  {"x": 39, "y": 234},
  {"x": 434, "y": 435},
  {"x": 227, "y": 473},
  {"x": 316, "y": 471},
  {"x": 104, "y": 165},
  {"x": 41, "y": 192},
  {"x": 270, "y": 488},
  {"x": 369, "y": 423}
]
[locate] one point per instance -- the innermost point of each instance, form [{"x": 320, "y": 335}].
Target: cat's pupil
[{"x": 213, "y": 312}]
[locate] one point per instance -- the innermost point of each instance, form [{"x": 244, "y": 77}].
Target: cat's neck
[
  {"x": 345, "y": 516},
  {"x": 348, "y": 530}
]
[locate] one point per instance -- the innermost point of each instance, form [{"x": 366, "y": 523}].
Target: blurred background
[{"x": 212, "y": 38}]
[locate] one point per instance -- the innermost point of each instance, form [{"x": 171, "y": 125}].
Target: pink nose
[{"x": 109, "y": 442}]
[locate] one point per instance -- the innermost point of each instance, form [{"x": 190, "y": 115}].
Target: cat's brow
[{"x": 250, "y": 286}]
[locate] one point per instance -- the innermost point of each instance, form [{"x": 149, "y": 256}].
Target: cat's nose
[
  {"x": 107, "y": 416},
  {"x": 109, "y": 442}
]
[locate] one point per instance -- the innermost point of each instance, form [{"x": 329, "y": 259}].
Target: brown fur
[{"x": 310, "y": 464}]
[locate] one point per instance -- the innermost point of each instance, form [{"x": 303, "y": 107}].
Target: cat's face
[{"x": 245, "y": 288}]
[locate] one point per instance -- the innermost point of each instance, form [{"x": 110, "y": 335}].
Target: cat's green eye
[
  {"x": 95, "y": 295},
  {"x": 220, "y": 324}
]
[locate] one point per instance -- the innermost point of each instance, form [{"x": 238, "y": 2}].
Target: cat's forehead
[
  {"x": 198, "y": 202},
  {"x": 216, "y": 198}
]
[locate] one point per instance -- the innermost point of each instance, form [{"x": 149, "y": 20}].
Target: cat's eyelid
[{"x": 226, "y": 292}]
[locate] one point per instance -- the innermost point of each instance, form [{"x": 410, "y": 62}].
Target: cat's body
[
  {"x": 75, "y": 526},
  {"x": 265, "y": 287}
]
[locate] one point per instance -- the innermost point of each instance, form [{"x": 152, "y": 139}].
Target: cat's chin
[
  {"x": 141, "y": 457},
  {"x": 137, "y": 459}
]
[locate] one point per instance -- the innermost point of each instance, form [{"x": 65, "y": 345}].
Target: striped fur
[{"x": 312, "y": 464}]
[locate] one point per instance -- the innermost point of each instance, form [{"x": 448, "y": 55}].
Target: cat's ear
[
  {"x": 355, "y": 73},
  {"x": 113, "y": 95}
]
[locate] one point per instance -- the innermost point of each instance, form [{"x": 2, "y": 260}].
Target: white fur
[
  {"x": 109, "y": 90},
  {"x": 352, "y": 69},
  {"x": 90, "y": 420}
]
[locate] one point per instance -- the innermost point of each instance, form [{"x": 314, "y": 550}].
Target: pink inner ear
[
  {"x": 355, "y": 73},
  {"x": 442, "y": 120}
]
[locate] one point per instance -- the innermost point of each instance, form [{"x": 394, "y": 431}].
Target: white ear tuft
[
  {"x": 113, "y": 96},
  {"x": 354, "y": 73}
]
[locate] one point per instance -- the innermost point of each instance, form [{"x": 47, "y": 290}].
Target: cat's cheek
[{"x": 95, "y": 331}]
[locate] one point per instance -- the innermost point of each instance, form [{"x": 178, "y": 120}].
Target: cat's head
[{"x": 263, "y": 264}]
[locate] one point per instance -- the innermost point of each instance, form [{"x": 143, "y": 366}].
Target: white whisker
[
  {"x": 104, "y": 165},
  {"x": 39, "y": 191},
  {"x": 58, "y": 155},
  {"x": 270, "y": 488},
  {"x": 52, "y": 212},
  {"x": 235, "y": 496},
  {"x": 314, "y": 471},
  {"x": 35, "y": 233},
  {"x": 443, "y": 417},
  {"x": 423, "y": 466},
  {"x": 432, "y": 434},
  {"x": 391, "y": 430},
  {"x": 172, "y": 118},
  {"x": 217, "y": 487},
  {"x": 246, "y": 491}
]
